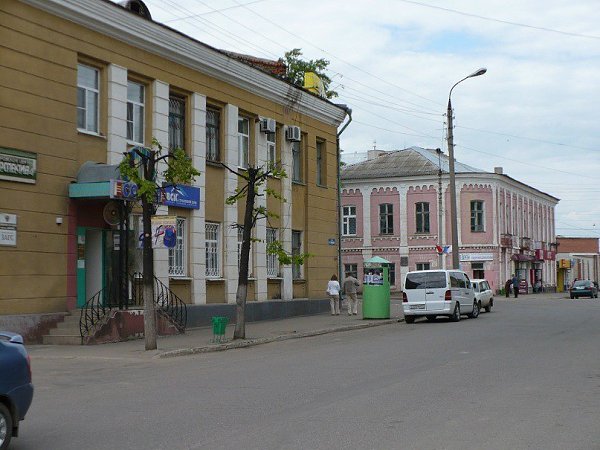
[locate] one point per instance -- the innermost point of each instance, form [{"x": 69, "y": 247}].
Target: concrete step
[
  {"x": 65, "y": 329},
  {"x": 62, "y": 340}
]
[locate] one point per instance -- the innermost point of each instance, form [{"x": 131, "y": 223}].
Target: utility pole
[{"x": 440, "y": 215}]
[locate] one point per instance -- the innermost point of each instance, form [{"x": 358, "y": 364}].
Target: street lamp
[{"x": 453, "y": 212}]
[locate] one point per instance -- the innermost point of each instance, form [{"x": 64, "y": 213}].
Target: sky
[{"x": 393, "y": 62}]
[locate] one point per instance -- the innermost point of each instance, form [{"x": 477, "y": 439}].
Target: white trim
[{"x": 109, "y": 20}]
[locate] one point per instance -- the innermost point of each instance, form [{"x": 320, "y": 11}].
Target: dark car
[
  {"x": 583, "y": 288},
  {"x": 16, "y": 389}
]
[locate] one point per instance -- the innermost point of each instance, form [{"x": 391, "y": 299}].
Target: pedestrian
[
  {"x": 350, "y": 285},
  {"x": 333, "y": 290},
  {"x": 515, "y": 283},
  {"x": 507, "y": 286}
]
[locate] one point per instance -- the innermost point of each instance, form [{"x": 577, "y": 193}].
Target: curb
[{"x": 260, "y": 341}]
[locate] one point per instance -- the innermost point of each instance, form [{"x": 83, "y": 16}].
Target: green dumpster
[
  {"x": 376, "y": 289},
  {"x": 219, "y": 325}
]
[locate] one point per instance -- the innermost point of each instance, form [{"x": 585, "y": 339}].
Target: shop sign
[
  {"x": 564, "y": 264},
  {"x": 123, "y": 190},
  {"x": 182, "y": 196},
  {"x": 8, "y": 230},
  {"x": 539, "y": 255},
  {"x": 164, "y": 231},
  {"x": 17, "y": 165},
  {"x": 471, "y": 257}
]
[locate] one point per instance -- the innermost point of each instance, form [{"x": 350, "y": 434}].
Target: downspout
[{"x": 339, "y": 191}]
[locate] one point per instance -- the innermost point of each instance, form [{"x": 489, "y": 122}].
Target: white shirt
[{"x": 333, "y": 287}]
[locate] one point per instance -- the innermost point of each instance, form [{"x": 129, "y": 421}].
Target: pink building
[{"x": 397, "y": 205}]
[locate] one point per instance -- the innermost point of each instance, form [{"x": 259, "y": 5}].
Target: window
[
  {"x": 296, "y": 162},
  {"x": 239, "y": 250},
  {"x": 296, "y": 251},
  {"x": 243, "y": 142},
  {"x": 135, "y": 112},
  {"x": 352, "y": 269},
  {"x": 213, "y": 133},
  {"x": 392, "y": 273},
  {"x": 423, "y": 266},
  {"x": 272, "y": 259},
  {"x": 386, "y": 219},
  {"x": 88, "y": 91},
  {"x": 176, "y": 122},
  {"x": 271, "y": 148},
  {"x": 349, "y": 220},
  {"x": 213, "y": 250},
  {"x": 422, "y": 216},
  {"x": 321, "y": 163},
  {"x": 178, "y": 254},
  {"x": 477, "y": 215}
]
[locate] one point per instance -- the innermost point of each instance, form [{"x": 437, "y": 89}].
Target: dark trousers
[{"x": 516, "y": 289}]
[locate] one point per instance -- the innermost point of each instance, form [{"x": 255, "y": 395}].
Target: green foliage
[
  {"x": 296, "y": 67},
  {"x": 276, "y": 248}
]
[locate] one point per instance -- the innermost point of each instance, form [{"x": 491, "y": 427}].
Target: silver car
[{"x": 483, "y": 294}]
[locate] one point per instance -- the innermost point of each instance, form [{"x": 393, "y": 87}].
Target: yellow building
[{"x": 84, "y": 81}]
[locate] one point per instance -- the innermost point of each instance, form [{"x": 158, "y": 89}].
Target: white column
[
  {"x": 198, "y": 216},
  {"x": 287, "y": 286},
  {"x": 494, "y": 216},
  {"x": 459, "y": 214},
  {"x": 230, "y": 215},
  {"x": 116, "y": 133},
  {"x": 367, "y": 251},
  {"x": 445, "y": 187},
  {"x": 160, "y": 130},
  {"x": 260, "y": 247},
  {"x": 403, "y": 205}
]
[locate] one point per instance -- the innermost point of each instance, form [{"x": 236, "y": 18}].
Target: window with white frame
[
  {"x": 386, "y": 218},
  {"x": 296, "y": 251},
  {"x": 271, "y": 148},
  {"x": 213, "y": 134},
  {"x": 422, "y": 217},
  {"x": 88, "y": 92},
  {"x": 349, "y": 220},
  {"x": 296, "y": 161},
  {"x": 136, "y": 97},
  {"x": 176, "y": 122},
  {"x": 213, "y": 249},
  {"x": 477, "y": 215},
  {"x": 320, "y": 163},
  {"x": 178, "y": 254},
  {"x": 243, "y": 142},
  {"x": 272, "y": 259},
  {"x": 239, "y": 250}
]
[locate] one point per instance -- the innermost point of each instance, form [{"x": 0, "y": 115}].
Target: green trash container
[
  {"x": 219, "y": 325},
  {"x": 376, "y": 298}
]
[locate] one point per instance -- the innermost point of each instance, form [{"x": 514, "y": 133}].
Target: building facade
[
  {"x": 397, "y": 205},
  {"x": 577, "y": 257},
  {"x": 84, "y": 82}
]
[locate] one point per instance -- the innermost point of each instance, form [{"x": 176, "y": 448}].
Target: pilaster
[
  {"x": 230, "y": 214},
  {"x": 116, "y": 133}
]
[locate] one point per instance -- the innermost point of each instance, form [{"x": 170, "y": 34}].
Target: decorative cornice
[{"x": 112, "y": 20}]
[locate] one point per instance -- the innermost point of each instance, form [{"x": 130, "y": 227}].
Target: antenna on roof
[{"x": 374, "y": 144}]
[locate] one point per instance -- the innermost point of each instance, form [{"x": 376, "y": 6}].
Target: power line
[{"x": 212, "y": 12}]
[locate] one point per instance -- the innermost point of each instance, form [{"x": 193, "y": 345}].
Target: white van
[{"x": 433, "y": 293}]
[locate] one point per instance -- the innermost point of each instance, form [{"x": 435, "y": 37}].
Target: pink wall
[
  {"x": 426, "y": 194},
  {"x": 468, "y": 194},
  {"x": 378, "y": 197}
]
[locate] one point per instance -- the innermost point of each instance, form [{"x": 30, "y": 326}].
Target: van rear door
[{"x": 435, "y": 293}]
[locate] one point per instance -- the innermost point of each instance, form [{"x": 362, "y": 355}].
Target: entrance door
[{"x": 90, "y": 263}]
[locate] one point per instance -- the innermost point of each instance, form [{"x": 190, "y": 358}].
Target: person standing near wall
[
  {"x": 515, "y": 283},
  {"x": 333, "y": 290},
  {"x": 350, "y": 285}
]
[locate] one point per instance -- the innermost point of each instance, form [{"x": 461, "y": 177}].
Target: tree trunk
[{"x": 242, "y": 289}]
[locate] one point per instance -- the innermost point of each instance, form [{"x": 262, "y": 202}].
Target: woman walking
[{"x": 333, "y": 290}]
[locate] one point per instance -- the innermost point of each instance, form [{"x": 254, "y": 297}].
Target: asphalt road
[{"x": 526, "y": 376}]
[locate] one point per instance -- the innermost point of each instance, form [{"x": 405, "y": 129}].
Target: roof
[
  {"x": 270, "y": 66},
  {"x": 410, "y": 161}
]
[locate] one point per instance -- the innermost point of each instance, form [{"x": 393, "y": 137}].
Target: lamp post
[{"x": 453, "y": 212}]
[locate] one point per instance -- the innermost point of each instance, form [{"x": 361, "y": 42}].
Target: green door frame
[{"x": 81, "y": 263}]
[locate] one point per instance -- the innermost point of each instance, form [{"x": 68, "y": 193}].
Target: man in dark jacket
[{"x": 515, "y": 283}]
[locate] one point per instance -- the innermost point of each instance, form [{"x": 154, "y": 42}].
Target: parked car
[
  {"x": 583, "y": 288},
  {"x": 483, "y": 294},
  {"x": 16, "y": 389},
  {"x": 433, "y": 293}
]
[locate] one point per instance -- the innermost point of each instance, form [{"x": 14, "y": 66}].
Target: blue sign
[{"x": 182, "y": 196}]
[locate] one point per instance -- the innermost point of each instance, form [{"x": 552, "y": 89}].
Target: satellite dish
[{"x": 111, "y": 213}]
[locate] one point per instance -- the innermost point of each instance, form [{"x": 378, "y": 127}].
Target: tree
[
  {"x": 140, "y": 166},
  {"x": 254, "y": 178},
  {"x": 297, "y": 67}
]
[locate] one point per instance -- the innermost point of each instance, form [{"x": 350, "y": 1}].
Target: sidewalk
[{"x": 200, "y": 340}]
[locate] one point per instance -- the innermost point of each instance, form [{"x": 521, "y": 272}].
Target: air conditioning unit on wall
[
  {"x": 268, "y": 125},
  {"x": 293, "y": 134}
]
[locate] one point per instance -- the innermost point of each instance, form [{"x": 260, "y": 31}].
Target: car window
[
  {"x": 466, "y": 281},
  {"x": 581, "y": 283},
  {"x": 454, "y": 280},
  {"x": 476, "y": 286},
  {"x": 485, "y": 286},
  {"x": 425, "y": 280}
]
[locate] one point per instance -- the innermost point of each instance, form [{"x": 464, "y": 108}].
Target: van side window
[
  {"x": 454, "y": 280},
  {"x": 466, "y": 281}
]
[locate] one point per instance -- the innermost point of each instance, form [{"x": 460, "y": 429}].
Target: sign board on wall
[
  {"x": 164, "y": 231},
  {"x": 8, "y": 230},
  {"x": 182, "y": 196},
  {"x": 17, "y": 165},
  {"x": 471, "y": 257}
]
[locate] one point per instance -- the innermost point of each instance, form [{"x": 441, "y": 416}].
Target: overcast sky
[{"x": 534, "y": 113}]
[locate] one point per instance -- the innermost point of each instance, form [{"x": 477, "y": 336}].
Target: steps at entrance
[{"x": 66, "y": 333}]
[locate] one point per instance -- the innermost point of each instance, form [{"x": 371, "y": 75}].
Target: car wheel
[
  {"x": 409, "y": 319},
  {"x": 488, "y": 307},
  {"x": 476, "y": 308},
  {"x": 455, "y": 317},
  {"x": 431, "y": 318},
  {"x": 6, "y": 426},
  {"x": 572, "y": 297}
]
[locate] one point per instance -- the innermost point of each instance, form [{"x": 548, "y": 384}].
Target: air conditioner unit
[
  {"x": 267, "y": 125},
  {"x": 293, "y": 134}
]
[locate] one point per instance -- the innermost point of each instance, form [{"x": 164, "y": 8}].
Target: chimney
[
  {"x": 498, "y": 170},
  {"x": 372, "y": 154}
]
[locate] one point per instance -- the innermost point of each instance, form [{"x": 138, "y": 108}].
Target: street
[{"x": 525, "y": 376}]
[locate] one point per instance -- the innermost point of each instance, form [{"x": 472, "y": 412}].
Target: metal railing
[{"x": 94, "y": 313}]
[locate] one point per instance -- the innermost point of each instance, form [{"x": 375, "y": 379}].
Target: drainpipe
[{"x": 339, "y": 190}]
